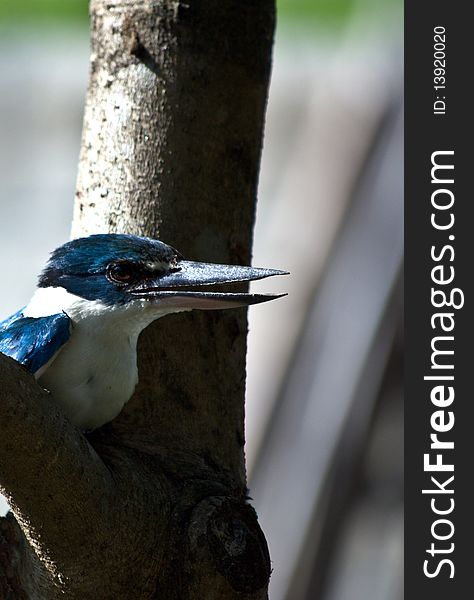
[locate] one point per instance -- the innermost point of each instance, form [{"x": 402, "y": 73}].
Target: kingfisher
[{"x": 78, "y": 334}]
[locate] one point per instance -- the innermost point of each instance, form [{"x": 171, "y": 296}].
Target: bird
[{"x": 78, "y": 334}]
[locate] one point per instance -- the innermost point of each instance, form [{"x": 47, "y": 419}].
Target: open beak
[{"x": 183, "y": 287}]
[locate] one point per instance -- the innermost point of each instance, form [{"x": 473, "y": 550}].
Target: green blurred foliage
[
  {"x": 318, "y": 11},
  {"x": 44, "y": 11}
]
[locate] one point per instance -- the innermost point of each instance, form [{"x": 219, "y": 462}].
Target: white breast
[{"x": 95, "y": 373}]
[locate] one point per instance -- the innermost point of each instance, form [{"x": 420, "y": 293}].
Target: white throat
[
  {"x": 130, "y": 318},
  {"x": 95, "y": 373}
]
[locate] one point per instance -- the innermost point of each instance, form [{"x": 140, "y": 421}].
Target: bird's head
[{"x": 119, "y": 269}]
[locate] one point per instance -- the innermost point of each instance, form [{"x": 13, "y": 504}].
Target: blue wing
[{"x": 34, "y": 341}]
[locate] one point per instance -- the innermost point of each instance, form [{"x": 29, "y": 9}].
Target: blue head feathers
[{"x": 102, "y": 267}]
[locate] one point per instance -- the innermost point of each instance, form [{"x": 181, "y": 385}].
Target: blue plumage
[{"x": 34, "y": 342}]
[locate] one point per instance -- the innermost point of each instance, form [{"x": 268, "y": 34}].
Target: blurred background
[{"x": 324, "y": 409}]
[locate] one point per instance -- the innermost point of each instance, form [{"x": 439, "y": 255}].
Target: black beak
[{"x": 177, "y": 287}]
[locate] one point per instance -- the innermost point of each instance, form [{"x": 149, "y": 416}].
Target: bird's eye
[{"x": 122, "y": 272}]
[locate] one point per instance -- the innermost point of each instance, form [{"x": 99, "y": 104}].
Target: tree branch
[
  {"x": 49, "y": 473},
  {"x": 172, "y": 138},
  {"x": 71, "y": 502}
]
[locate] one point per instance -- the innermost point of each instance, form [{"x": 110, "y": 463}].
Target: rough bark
[{"x": 154, "y": 504}]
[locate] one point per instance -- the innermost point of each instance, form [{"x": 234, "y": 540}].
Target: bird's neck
[
  {"x": 129, "y": 319},
  {"x": 49, "y": 301}
]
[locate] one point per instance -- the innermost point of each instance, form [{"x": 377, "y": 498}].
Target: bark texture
[{"x": 153, "y": 505}]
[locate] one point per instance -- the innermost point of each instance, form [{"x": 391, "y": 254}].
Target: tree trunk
[{"x": 153, "y": 505}]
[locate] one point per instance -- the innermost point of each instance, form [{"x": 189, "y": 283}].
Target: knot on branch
[{"x": 227, "y": 531}]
